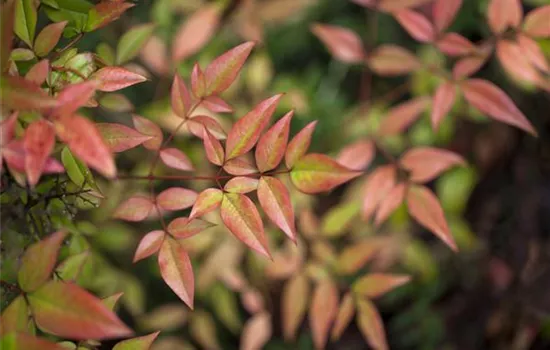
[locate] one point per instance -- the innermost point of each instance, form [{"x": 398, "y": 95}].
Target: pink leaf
[
  {"x": 184, "y": 227},
  {"x": 198, "y": 82},
  {"x": 344, "y": 316},
  {"x": 147, "y": 127},
  {"x": 516, "y": 61},
  {"x": 216, "y": 104},
  {"x": 379, "y": 183},
  {"x": 180, "y": 97},
  {"x": 197, "y": 124},
  {"x": 149, "y": 245},
  {"x": 370, "y": 324},
  {"x": 85, "y": 141},
  {"x": 272, "y": 145},
  {"x": 246, "y": 131},
  {"x": 240, "y": 216},
  {"x": 195, "y": 32},
  {"x": 213, "y": 148},
  {"x": 502, "y": 14},
  {"x": 240, "y": 166},
  {"x": 468, "y": 66},
  {"x": 417, "y": 25},
  {"x": 494, "y": 102},
  {"x": 390, "y": 203},
  {"x": 375, "y": 285},
  {"x": 38, "y": 142},
  {"x": 533, "y": 52},
  {"x": 396, "y": 5},
  {"x": 400, "y": 117},
  {"x": 424, "y": 207},
  {"x": 536, "y": 22},
  {"x": 342, "y": 43},
  {"x": 316, "y": 173},
  {"x": 323, "y": 309},
  {"x": 116, "y": 78},
  {"x": 134, "y": 209},
  {"x": 23, "y": 95},
  {"x": 256, "y": 332},
  {"x": 176, "y": 270},
  {"x": 443, "y": 101},
  {"x": 426, "y": 163},
  {"x": 221, "y": 73},
  {"x": 453, "y": 44},
  {"x": 39, "y": 72},
  {"x": 275, "y": 201},
  {"x": 7, "y": 128},
  {"x": 176, "y": 198},
  {"x": 299, "y": 145},
  {"x": 74, "y": 96},
  {"x": 392, "y": 60},
  {"x": 444, "y": 12},
  {"x": 207, "y": 201},
  {"x": 176, "y": 159},
  {"x": 68, "y": 311},
  {"x": 120, "y": 138},
  {"x": 358, "y": 155},
  {"x": 241, "y": 184},
  {"x": 296, "y": 295}
]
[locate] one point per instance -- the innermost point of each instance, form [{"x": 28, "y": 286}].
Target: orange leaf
[
  {"x": 240, "y": 216},
  {"x": 377, "y": 186},
  {"x": 444, "y": 12},
  {"x": 195, "y": 32},
  {"x": 296, "y": 294},
  {"x": 272, "y": 145},
  {"x": 402, "y": 116},
  {"x": 426, "y": 163},
  {"x": 149, "y": 245},
  {"x": 536, "y": 22},
  {"x": 207, "y": 201},
  {"x": 342, "y": 43},
  {"x": 176, "y": 198},
  {"x": 370, "y": 324},
  {"x": 390, "y": 203},
  {"x": 135, "y": 208},
  {"x": 38, "y": 142},
  {"x": 392, "y": 60},
  {"x": 502, "y": 14},
  {"x": 354, "y": 257},
  {"x": 344, "y": 316},
  {"x": 116, "y": 78},
  {"x": 416, "y": 24},
  {"x": 275, "y": 201},
  {"x": 443, "y": 101},
  {"x": 221, "y": 73},
  {"x": 375, "y": 285},
  {"x": 106, "y": 12},
  {"x": 256, "y": 332},
  {"x": 494, "y": 102},
  {"x": 180, "y": 97},
  {"x": 176, "y": 159},
  {"x": 424, "y": 207},
  {"x": 241, "y": 184},
  {"x": 147, "y": 127},
  {"x": 15, "y": 317},
  {"x": 213, "y": 148},
  {"x": 299, "y": 145},
  {"x": 323, "y": 309},
  {"x": 358, "y": 155},
  {"x": 176, "y": 270}
]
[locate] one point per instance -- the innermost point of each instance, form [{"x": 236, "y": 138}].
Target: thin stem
[{"x": 197, "y": 177}]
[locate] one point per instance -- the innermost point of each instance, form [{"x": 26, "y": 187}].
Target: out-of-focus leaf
[
  {"x": 468, "y": 66},
  {"x": 354, "y": 257},
  {"x": 78, "y": 172},
  {"x": 336, "y": 221},
  {"x": 195, "y": 32},
  {"x": 536, "y": 22},
  {"x": 70, "y": 268},
  {"x": 8, "y": 18},
  {"x": 176, "y": 159},
  {"x": 342, "y": 43},
  {"x": 443, "y": 101},
  {"x": 358, "y": 155},
  {"x": 38, "y": 142},
  {"x": 256, "y": 332},
  {"x": 400, "y": 117},
  {"x": 299, "y": 145},
  {"x": 120, "y": 138},
  {"x": 15, "y": 317},
  {"x": 392, "y": 60},
  {"x": 323, "y": 310},
  {"x": 116, "y": 103},
  {"x": 396, "y": 5},
  {"x": 66, "y": 310},
  {"x": 48, "y": 38},
  {"x": 426, "y": 163},
  {"x": 132, "y": 41},
  {"x": 375, "y": 285},
  {"x": 74, "y": 96},
  {"x": 176, "y": 270},
  {"x": 272, "y": 145},
  {"x": 24, "y": 95},
  {"x": 444, "y": 12},
  {"x": 25, "y": 20},
  {"x": 176, "y": 198},
  {"x": 203, "y": 330},
  {"x": 139, "y": 343},
  {"x": 453, "y": 44},
  {"x": 147, "y": 127},
  {"x": 21, "y": 54},
  {"x": 533, "y": 52},
  {"x": 104, "y": 13},
  {"x": 377, "y": 186},
  {"x": 39, "y": 72},
  {"x": 149, "y": 245},
  {"x": 390, "y": 203},
  {"x": 226, "y": 309},
  {"x": 516, "y": 61},
  {"x": 207, "y": 201},
  {"x": 275, "y": 201},
  {"x": 241, "y": 184},
  {"x": 502, "y": 14},
  {"x": 166, "y": 317},
  {"x": 416, "y": 24},
  {"x": 116, "y": 78},
  {"x": 22, "y": 341},
  {"x": 294, "y": 304},
  {"x": 344, "y": 316},
  {"x": 370, "y": 324},
  {"x": 136, "y": 208},
  {"x": 221, "y": 72}
]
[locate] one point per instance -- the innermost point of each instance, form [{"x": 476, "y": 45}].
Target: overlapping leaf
[
  {"x": 207, "y": 201},
  {"x": 299, "y": 145},
  {"x": 184, "y": 227},
  {"x": 116, "y": 78},
  {"x": 379, "y": 183},
  {"x": 38, "y": 143}
]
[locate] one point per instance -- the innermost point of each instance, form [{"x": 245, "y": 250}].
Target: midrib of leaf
[{"x": 241, "y": 218}]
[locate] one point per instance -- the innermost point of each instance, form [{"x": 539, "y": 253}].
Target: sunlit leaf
[
  {"x": 342, "y": 43},
  {"x": 323, "y": 310},
  {"x": 176, "y": 159},
  {"x": 375, "y": 285},
  {"x": 149, "y": 244},
  {"x": 176, "y": 198},
  {"x": 132, "y": 41},
  {"x": 295, "y": 300},
  {"x": 256, "y": 332},
  {"x": 139, "y": 343},
  {"x": 377, "y": 186},
  {"x": 345, "y": 314},
  {"x": 241, "y": 184},
  {"x": 116, "y": 78},
  {"x": 195, "y": 32},
  {"x": 299, "y": 145},
  {"x": 207, "y": 201},
  {"x": 176, "y": 270},
  {"x": 48, "y": 38},
  {"x": 370, "y": 324},
  {"x": 134, "y": 209},
  {"x": 38, "y": 142},
  {"x": 275, "y": 201},
  {"x": 221, "y": 72},
  {"x": 120, "y": 138}
]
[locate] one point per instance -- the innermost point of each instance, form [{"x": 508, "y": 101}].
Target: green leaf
[
  {"x": 73, "y": 11},
  {"x": 21, "y": 341},
  {"x": 140, "y": 343},
  {"x": 70, "y": 268},
  {"x": 225, "y": 305},
  {"x": 25, "y": 20},
  {"x": 78, "y": 172},
  {"x": 132, "y": 41},
  {"x": 15, "y": 317},
  {"x": 338, "y": 219},
  {"x": 106, "y": 53}
]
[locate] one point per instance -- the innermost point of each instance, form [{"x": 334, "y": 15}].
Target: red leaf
[
  {"x": 444, "y": 12},
  {"x": 197, "y": 124},
  {"x": 120, "y": 138},
  {"x": 426, "y": 163},
  {"x": 38, "y": 262},
  {"x": 207, "y": 201},
  {"x": 358, "y": 155},
  {"x": 134, "y": 209},
  {"x": 39, "y": 72},
  {"x": 392, "y": 60},
  {"x": 180, "y": 97},
  {"x": 400, "y": 117},
  {"x": 195, "y": 32},
  {"x": 299, "y": 145},
  {"x": 370, "y": 324},
  {"x": 417, "y": 25},
  {"x": 533, "y": 52},
  {"x": 48, "y": 38},
  {"x": 147, "y": 127},
  {"x": 256, "y": 332},
  {"x": 424, "y": 207},
  {"x": 176, "y": 198},
  {"x": 213, "y": 148},
  {"x": 275, "y": 201},
  {"x": 294, "y": 304},
  {"x": 516, "y": 62},
  {"x": 375, "y": 285},
  {"x": 221, "y": 73},
  {"x": 272, "y": 145},
  {"x": 184, "y": 227},
  {"x": 468, "y": 66},
  {"x": 494, "y": 102},
  {"x": 176, "y": 159},
  {"x": 38, "y": 142},
  {"x": 536, "y": 22},
  {"x": 85, "y": 141},
  {"x": 316, "y": 173},
  {"x": 454, "y": 44},
  {"x": 176, "y": 270},
  {"x": 379, "y": 183},
  {"x": 68, "y": 311},
  {"x": 116, "y": 78},
  {"x": 390, "y": 203},
  {"x": 105, "y": 12},
  {"x": 241, "y": 184},
  {"x": 443, "y": 101},
  {"x": 240, "y": 216},
  {"x": 74, "y": 96},
  {"x": 198, "y": 82},
  {"x": 323, "y": 309},
  {"x": 240, "y": 166},
  {"x": 502, "y": 14},
  {"x": 149, "y": 245},
  {"x": 139, "y": 343},
  {"x": 344, "y": 316},
  {"x": 216, "y": 104},
  {"x": 342, "y": 43},
  {"x": 246, "y": 131},
  {"x": 23, "y": 95}
]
